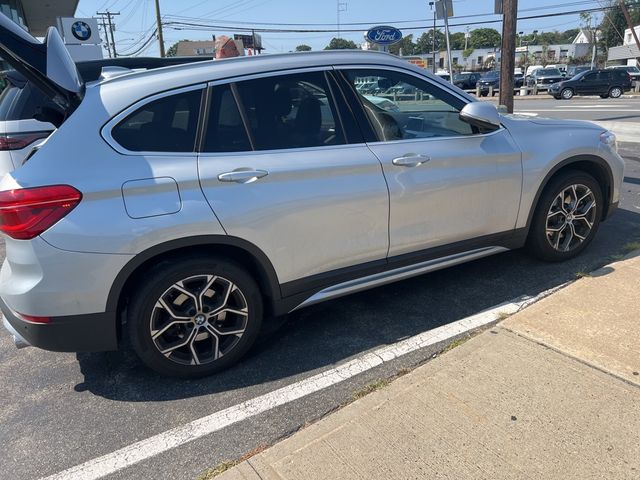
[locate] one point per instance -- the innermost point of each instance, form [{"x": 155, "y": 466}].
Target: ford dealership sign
[{"x": 384, "y": 35}]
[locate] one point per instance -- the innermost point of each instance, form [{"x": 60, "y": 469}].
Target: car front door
[
  {"x": 590, "y": 84},
  {"x": 448, "y": 182},
  {"x": 281, "y": 171}
]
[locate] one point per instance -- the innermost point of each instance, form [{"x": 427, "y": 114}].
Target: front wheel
[
  {"x": 567, "y": 217},
  {"x": 606, "y": 95},
  {"x": 615, "y": 92},
  {"x": 194, "y": 316},
  {"x": 566, "y": 93}
]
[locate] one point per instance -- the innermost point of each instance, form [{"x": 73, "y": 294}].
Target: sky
[{"x": 137, "y": 19}]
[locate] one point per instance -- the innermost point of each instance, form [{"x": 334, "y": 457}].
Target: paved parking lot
[{"x": 60, "y": 410}]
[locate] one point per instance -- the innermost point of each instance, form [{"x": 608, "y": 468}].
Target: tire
[
  {"x": 566, "y": 93},
  {"x": 606, "y": 95},
  {"x": 176, "y": 303},
  {"x": 567, "y": 236},
  {"x": 615, "y": 92},
  {"x": 483, "y": 94},
  {"x": 557, "y": 97}
]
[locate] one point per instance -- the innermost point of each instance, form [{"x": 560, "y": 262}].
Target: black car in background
[
  {"x": 492, "y": 79},
  {"x": 574, "y": 70},
  {"x": 606, "y": 83},
  {"x": 466, "y": 81}
]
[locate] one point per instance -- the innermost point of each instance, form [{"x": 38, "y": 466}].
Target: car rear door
[
  {"x": 281, "y": 168},
  {"x": 448, "y": 182}
]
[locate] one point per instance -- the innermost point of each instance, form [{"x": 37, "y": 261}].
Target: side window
[
  {"x": 225, "y": 129},
  {"x": 405, "y": 107},
  {"x": 168, "y": 124},
  {"x": 591, "y": 77},
  {"x": 291, "y": 111}
]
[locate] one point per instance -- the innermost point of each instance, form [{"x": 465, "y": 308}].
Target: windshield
[
  {"x": 549, "y": 71},
  {"x": 490, "y": 76},
  {"x": 461, "y": 76},
  {"x": 630, "y": 69}
]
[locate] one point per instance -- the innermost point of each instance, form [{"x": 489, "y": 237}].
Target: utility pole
[
  {"x": 160, "y": 36},
  {"x": 103, "y": 24},
  {"x": 508, "y": 53},
  {"x": 111, "y": 27},
  {"x": 629, "y": 23},
  {"x": 433, "y": 38}
]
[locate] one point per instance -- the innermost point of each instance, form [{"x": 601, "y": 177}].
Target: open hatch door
[{"x": 47, "y": 65}]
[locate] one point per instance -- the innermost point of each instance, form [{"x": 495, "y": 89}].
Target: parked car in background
[
  {"x": 466, "y": 80},
  {"x": 560, "y": 66},
  {"x": 175, "y": 210},
  {"x": 544, "y": 77},
  {"x": 633, "y": 71},
  {"x": 444, "y": 75},
  {"x": 573, "y": 70},
  {"x": 27, "y": 116},
  {"x": 492, "y": 79},
  {"x": 606, "y": 83}
]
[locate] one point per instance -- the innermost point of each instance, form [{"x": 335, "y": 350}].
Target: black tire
[
  {"x": 160, "y": 281},
  {"x": 615, "y": 92},
  {"x": 606, "y": 95},
  {"x": 566, "y": 93},
  {"x": 538, "y": 243},
  {"x": 484, "y": 94},
  {"x": 557, "y": 97}
]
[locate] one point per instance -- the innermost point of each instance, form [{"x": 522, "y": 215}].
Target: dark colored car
[
  {"x": 633, "y": 71},
  {"x": 492, "y": 79},
  {"x": 606, "y": 83},
  {"x": 544, "y": 77},
  {"x": 576, "y": 69},
  {"x": 466, "y": 81}
]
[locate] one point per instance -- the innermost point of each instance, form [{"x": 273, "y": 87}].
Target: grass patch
[
  {"x": 504, "y": 315},
  {"x": 455, "y": 344},
  {"x": 370, "y": 388},
  {"x": 229, "y": 464},
  {"x": 631, "y": 246},
  {"x": 583, "y": 274},
  {"x": 615, "y": 258}
]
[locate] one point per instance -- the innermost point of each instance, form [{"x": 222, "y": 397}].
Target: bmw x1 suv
[{"x": 178, "y": 208}]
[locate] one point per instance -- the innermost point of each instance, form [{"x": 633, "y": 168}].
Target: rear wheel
[
  {"x": 566, "y": 93},
  {"x": 194, "y": 317},
  {"x": 567, "y": 217},
  {"x": 606, "y": 95},
  {"x": 615, "y": 92}
]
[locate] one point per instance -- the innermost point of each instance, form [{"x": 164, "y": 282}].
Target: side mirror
[{"x": 483, "y": 115}]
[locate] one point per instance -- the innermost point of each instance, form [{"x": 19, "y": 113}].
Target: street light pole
[{"x": 433, "y": 38}]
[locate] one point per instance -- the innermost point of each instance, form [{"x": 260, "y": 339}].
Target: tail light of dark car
[
  {"x": 17, "y": 141},
  {"x": 27, "y": 212}
]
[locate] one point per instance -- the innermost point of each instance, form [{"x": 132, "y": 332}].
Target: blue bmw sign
[
  {"x": 81, "y": 30},
  {"x": 384, "y": 35}
]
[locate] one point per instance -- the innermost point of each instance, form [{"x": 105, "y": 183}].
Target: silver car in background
[{"x": 182, "y": 206}]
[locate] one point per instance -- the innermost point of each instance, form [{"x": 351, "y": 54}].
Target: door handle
[
  {"x": 410, "y": 160},
  {"x": 242, "y": 175}
]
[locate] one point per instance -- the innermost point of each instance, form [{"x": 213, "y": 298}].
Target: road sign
[
  {"x": 384, "y": 35},
  {"x": 522, "y": 49},
  {"x": 440, "y": 8}
]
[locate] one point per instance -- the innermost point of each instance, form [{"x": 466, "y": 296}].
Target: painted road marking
[{"x": 157, "y": 444}]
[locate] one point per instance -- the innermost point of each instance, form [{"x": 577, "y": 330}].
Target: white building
[{"x": 628, "y": 52}]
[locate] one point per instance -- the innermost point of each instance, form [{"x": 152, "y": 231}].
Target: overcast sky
[{"x": 137, "y": 18}]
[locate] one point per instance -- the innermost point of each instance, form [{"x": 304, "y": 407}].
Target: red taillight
[
  {"x": 32, "y": 319},
  {"x": 27, "y": 212},
  {"x": 16, "y": 141}
]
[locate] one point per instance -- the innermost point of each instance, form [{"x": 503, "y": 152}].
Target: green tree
[
  {"x": 484, "y": 38},
  {"x": 303, "y": 48},
  {"x": 424, "y": 44},
  {"x": 173, "y": 49},
  {"x": 456, "y": 40},
  {"x": 568, "y": 36},
  {"x": 467, "y": 53},
  {"x": 341, "y": 44},
  {"x": 614, "y": 24},
  {"x": 406, "y": 45}
]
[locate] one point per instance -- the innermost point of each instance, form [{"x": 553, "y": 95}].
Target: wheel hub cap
[{"x": 200, "y": 319}]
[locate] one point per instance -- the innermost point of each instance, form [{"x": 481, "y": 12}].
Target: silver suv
[{"x": 180, "y": 207}]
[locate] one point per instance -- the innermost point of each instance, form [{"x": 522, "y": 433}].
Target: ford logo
[{"x": 384, "y": 35}]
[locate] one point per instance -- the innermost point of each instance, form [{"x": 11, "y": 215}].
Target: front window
[
  {"x": 548, "y": 72},
  {"x": 428, "y": 112}
]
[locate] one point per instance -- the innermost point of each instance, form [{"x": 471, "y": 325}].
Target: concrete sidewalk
[{"x": 553, "y": 392}]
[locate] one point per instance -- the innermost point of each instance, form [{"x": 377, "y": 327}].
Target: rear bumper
[{"x": 94, "y": 332}]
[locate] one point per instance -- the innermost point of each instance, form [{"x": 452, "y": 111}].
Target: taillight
[
  {"x": 17, "y": 141},
  {"x": 32, "y": 319},
  {"x": 27, "y": 212}
]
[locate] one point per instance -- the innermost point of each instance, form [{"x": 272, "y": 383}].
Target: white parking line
[{"x": 157, "y": 444}]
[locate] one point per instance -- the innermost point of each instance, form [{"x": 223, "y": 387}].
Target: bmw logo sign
[{"x": 81, "y": 30}]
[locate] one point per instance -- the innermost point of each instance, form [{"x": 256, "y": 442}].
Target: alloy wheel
[
  {"x": 567, "y": 93},
  {"x": 199, "y": 319},
  {"x": 571, "y": 217},
  {"x": 615, "y": 92}
]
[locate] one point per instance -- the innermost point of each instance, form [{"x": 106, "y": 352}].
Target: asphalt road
[
  {"x": 583, "y": 108},
  {"x": 58, "y": 410}
]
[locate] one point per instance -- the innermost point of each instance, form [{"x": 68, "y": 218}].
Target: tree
[
  {"x": 424, "y": 44},
  {"x": 303, "y": 48},
  {"x": 467, "y": 53},
  {"x": 406, "y": 45},
  {"x": 456, "y": 40},
  {"x": 173, "y": 49},
  {"x": 484, "y": 38},
  {"x": 341, "y": 44},
  {"x": 568, "y": 36},
  {"x": 614, "y": 24}
]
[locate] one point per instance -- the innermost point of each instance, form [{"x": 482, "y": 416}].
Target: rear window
[
  {"x": 22, "y": 103},
  {"x": 168, "y": 124},
  {"x": 7, "y": 98}
]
